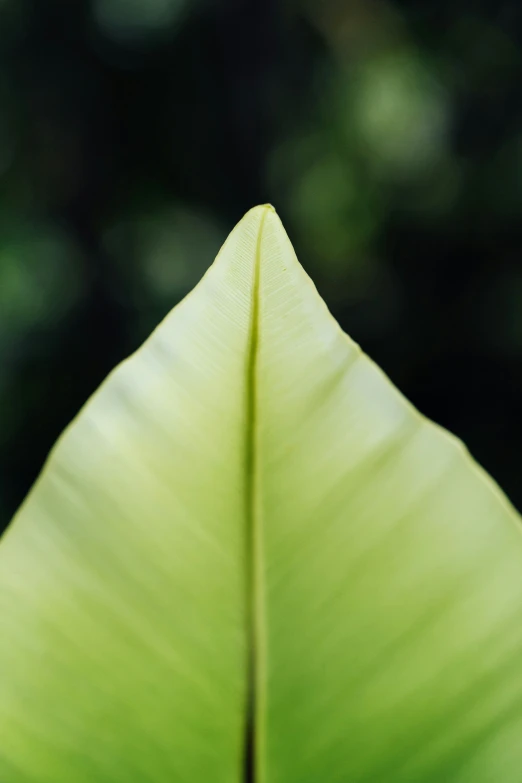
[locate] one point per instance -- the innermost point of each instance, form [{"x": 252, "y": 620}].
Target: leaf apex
[{"x": 264, "y": 208}]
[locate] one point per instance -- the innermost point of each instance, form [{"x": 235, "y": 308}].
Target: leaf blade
[
  {"x": 122, "y": 576},
  {"x": 390, "y": 557},
  {"x": 384, "y": 571}
]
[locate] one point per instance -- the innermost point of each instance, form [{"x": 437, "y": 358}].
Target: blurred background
[{"x": 135, "y": 133}]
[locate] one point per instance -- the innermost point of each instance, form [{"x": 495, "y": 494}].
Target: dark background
[{"x": 135, "y": 133}]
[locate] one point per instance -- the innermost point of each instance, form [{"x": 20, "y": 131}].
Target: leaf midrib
[{"x": 254, "y": 587}]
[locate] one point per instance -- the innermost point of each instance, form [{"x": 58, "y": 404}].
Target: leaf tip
[{"x": 264, "y": 208}]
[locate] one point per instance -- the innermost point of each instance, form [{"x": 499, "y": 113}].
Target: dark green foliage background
[{"x": 133, "y": 135}]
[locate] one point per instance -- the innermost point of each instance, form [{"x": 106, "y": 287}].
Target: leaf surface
[{"x": 249, "y": 536}]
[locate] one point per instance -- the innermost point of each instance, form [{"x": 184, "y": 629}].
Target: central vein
[{"x": 254, "y": 710}]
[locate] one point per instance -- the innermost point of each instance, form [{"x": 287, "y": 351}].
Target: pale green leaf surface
[
  {"x": 249, "y": 478},
  {"x": 391, "y": 568},
  {"x": 122, "y": 579}
]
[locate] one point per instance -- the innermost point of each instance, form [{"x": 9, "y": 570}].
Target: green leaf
[{"x": 248, "y": 536}]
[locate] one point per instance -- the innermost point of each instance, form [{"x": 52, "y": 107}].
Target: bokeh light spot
[
  {"x": 39, "y": 281},
  {"x": 130, "y": 21},
  {"x": 400, "y": 112}
]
